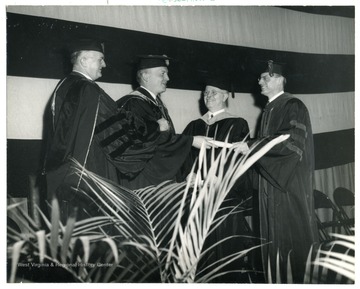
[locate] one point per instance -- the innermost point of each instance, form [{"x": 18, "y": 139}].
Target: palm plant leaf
[
  {"x": 307, "y": 275},
  {"x": 16, "y": 251},
  {"x": 168, "y": 222},
  {"x": 144, "y": 219},
  {"x": 223, "y": 262},
  {"x": 63, "y": 241},
  {"x": 343, "y": 263},
  {"x": 69, "y": 228},
  {"x": 41, "y": 238},
  {"x": 85, "y": 240},
  {"x": 55, "y": 226},
  {"x": 171, "y": 221},
  {"x": 289, "y": 271},
  {"x": 206, "y": 205}
]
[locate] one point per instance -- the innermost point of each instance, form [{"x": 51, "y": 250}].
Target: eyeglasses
[{"x": 210, "y": 93}]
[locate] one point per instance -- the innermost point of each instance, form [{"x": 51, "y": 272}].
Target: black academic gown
[
  {"x": 78, "y": 105},
  {"x": 155, "y": 156},
  {"x": 286, "y": 204},
  {"x": 221, "y": 127}
]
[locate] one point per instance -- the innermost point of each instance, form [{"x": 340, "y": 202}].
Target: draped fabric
[
  {"x": 327, "y": 180},
  {"x": 239, "y": 25},
  {"x": 333, "y": 177},
  {"x": 328, "y": 112}
]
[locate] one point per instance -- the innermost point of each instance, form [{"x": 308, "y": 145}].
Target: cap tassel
[{"x": 271, "y": 67}]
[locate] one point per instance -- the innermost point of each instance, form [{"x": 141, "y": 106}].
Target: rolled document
[{"x": 220, "y": 144}]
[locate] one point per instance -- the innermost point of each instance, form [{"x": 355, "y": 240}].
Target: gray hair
[
  {"x": 139, "y": 75},
  {"x": 75, "y": 56},
  {"x": 283, "y": 78}
]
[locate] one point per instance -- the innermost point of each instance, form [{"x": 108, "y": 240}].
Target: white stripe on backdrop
[
  {"x": 27, "y": 98},
  {"x": 250, "y": 26}
]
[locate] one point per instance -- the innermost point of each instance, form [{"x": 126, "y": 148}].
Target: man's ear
[
  {"x": 145, "y": 76},
  {"x": 83, "y": 61}
]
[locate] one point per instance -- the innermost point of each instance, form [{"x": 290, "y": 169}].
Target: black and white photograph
[{"x": 179, "y": 141}]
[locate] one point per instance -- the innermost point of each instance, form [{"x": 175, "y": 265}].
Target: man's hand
[
  {"x": 199, "y": 140},
  {"x": 163, "y": 124},
  {"x": 191, "y": 178},
  {"x": 241, "y": 146}
]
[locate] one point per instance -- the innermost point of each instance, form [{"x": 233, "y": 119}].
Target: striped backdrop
[{"x": 319, "y": 52}]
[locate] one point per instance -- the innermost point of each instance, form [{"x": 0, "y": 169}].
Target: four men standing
[{"x": 133, "y": 142}]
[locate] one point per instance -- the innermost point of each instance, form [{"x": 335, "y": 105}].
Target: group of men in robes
[{"x": 133, "y": 142}]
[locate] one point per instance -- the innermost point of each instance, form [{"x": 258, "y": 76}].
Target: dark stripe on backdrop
[
  {"x": 334, "y": 148},
  {"x": 35, "y": 48},
  {"x": 24, "y": 157}
]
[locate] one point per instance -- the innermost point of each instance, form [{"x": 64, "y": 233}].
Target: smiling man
[
  {"x": 158, "y": 152},
  {"x": 223, "y": 126},
  {"x": 286, "y": 205}
]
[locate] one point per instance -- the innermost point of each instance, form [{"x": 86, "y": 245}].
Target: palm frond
[
  {"x": 207, "y": 203},
  {"x": 169, "y": 223},
  {"x": 16, "y": 251},
  {"x": 340, "y": 257},
  {"x": 61, "y": 247},
  {"x": 41, "y": 239},
  {"x": 55, "y": 226}
]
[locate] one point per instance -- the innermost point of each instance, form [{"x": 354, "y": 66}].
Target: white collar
[
  {"x": 276, "y": 96},
  {"x": 215, "y": 113},
  {"x": 153, "y": 95},
  {"x": 87, "y": 76}
]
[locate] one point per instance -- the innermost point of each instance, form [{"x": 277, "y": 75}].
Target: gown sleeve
[
  {"x": 279, "y": 164},
  {"x": 133, "y": 141}
]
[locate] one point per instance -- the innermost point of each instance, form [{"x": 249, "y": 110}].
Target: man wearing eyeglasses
[
  {"x": 223, "y": 126},
  {"x": 286, "y": 206}
]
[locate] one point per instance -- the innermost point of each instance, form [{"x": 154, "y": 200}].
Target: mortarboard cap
[
  {"x": 150, "y": 61},
  {"x": 86, "y": 44},
  {"x": 219, "y": 82},
  {"x": 275, "y": 67}
]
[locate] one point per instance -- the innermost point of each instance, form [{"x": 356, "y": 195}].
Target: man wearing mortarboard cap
[
  {"x": 78, "y": 105},
  {"x": 286, "y": 203},
  {"x": 158, "y": 152},
  {"x": 223, "y": 126},
  {"x": 217, "y": 122}
]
